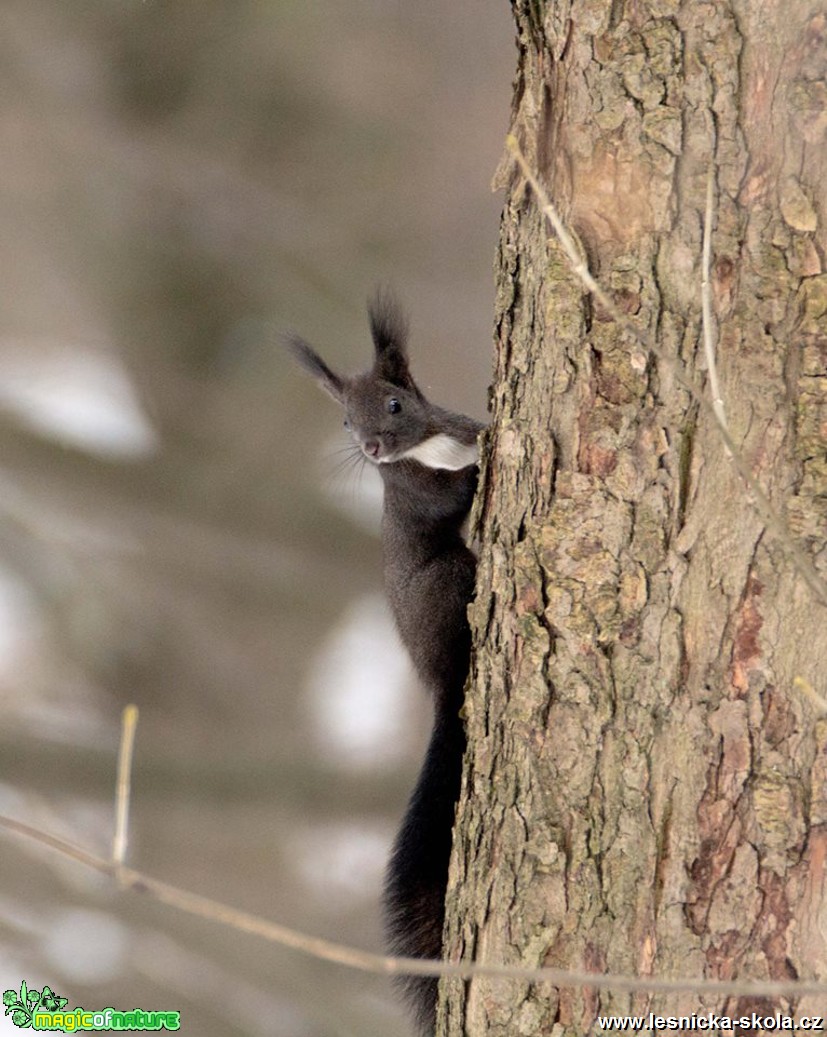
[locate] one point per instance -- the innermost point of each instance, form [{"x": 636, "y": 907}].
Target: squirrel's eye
[
  {"x": 346, "y": 423},
  {"x": 394, "y": 406}
]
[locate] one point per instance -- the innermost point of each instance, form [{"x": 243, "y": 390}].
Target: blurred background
[{"x": 181, "y": 181}]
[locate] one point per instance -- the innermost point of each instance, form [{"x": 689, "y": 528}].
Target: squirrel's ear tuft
[
  {"x": 310, "y": 360},
  {"x": 389, "y": 329}
]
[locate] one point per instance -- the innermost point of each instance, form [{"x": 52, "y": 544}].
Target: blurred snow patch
[
  {"x": 40, "y": 689},
  {"x": 246, "y": 1007},
  {"x": 18, "y": 618},
  {"x": 358, "y": 686},
  {"x": 75, "y": 394},
  {"x": 87, "y": 946},
  {"x": 342, "y": 858}
]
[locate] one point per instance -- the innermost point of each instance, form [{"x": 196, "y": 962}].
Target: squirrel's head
[{"x": 386, "y": 414}]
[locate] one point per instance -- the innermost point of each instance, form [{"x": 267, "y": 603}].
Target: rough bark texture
[{"x": 644, "y": 790}]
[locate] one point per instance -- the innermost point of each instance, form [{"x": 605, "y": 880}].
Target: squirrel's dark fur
[{"x": 427, "y": 458}]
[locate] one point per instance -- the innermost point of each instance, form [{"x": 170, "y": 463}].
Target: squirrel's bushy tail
[{"x": 418, "y": 868}]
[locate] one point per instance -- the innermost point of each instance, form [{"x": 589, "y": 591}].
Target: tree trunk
[{"x": 644, "y": 790}]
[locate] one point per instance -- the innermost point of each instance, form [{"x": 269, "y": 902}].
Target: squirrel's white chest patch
[{"x": 441, "y": 451}]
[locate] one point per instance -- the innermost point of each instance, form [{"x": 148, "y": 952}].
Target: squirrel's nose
[{"x": 371, "y": 447}]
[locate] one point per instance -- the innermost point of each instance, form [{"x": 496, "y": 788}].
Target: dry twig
[{"x": 763, "y": 505}]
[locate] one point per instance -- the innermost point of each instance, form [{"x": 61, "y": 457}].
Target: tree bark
[{"x": 644, "y": 789}]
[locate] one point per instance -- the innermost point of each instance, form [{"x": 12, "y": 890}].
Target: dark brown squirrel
[{"x": 428, "y": 460}]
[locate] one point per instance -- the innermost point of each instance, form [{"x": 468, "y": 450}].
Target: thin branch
[
  {"x": 364, "y": 961},
  {"x": 129, "y": 722},
  {"x": 706, "y": 306},
  {"x": 770, "y": 516}
]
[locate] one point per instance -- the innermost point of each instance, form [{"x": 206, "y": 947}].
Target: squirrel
[{"x": 428, "y": 460}]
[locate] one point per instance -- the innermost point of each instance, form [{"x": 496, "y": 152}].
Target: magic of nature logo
[{"x": 45, "y": 1010}]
